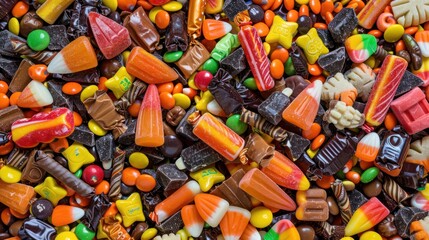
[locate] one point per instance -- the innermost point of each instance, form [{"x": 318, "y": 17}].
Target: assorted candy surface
[{"x": 217, "y": 119}]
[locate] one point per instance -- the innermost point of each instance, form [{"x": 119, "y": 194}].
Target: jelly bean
[
  {"x": 390, "y": 121},
  {"x": 162, "y": 19},
  {"x": 171, "y": 57},
  {"x": 66, "y": 235},
  {"x": 269, "y": 17},
  {"x": 38, "y": 40},
  {"x": 182, "y": 100},
  {"x": 165, "y": 87},
  {"x": 167, "y": 100},
  {"x": 172, "y": 6},
  {"x": 149, "y": 234},
  {"x": 211, "y": 65},
  {"x": 88, "y": 92},
  {"x": 72, "y": 88},
  {"x": 292, "y": 16},
  {"x": 369, "y": 174},
  {"x": 4, "y": 101},
  {"x": 13, "y": 25},
  {"x": 145, "y": 183},
  {"x": 130, "y": 175},
  {"x": 353, "y": 177},
  {"x": 83, "y": 232},
  {"x": 276, "y": 69},
  {"x": 315, "y": 6},
  {"x": 236, "y": 125},
  {"x": 317, "y": 142},
  {"x": 280, "y": 53},
  {"x": 102, "y": 187},
  {"x": 38, "y": 72},
  {"x": 261, "y": 217},
  {"x": 20, "y": 9},
  {"x": 10, "y": 174},
  {"x": 138, "y": 160},
  {"x": 78, "y": 173},
  {"x": 202, "y": 80},
  {"x": 393, "y": 33}
]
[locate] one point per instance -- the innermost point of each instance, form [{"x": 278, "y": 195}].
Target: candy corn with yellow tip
[
  {"x": 250, "y": 233},
  {"x": 77, "y": 56},
  {"x": 64, "y": 215},
  {"x": 234, "y": 223},
  {"x": 260, "y": 186},
  {"x": 211, "y": 208},
  {"x": 368, "y": 146},
  {"x": 283, "y": 230},
  {"x": 366, "y": 216},
  {"x": 285, "y": 173},
  {"x": 194, "y": 224},
  {"x": 173, "y": 203}
]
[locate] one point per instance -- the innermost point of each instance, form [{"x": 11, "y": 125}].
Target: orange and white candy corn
[
  {"x": 214, "y": 29},
  {"x": 211, "y": 208},
  {"x": 250, "y": 233},
  {"x": 193, "y": 222},
  {"x": 64, "y": 215},
  {"x": 34, "y": 95},
  {"x": 368, "y": 146},
  {"x": 234, "y": 222}
]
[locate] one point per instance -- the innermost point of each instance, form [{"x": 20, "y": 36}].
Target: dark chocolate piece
[
  {"x": 309, "y": 167},
  {"x": 343, "y": 24},
  {"x": 34, "y": 228},
  {"x": 58, "y": 35},
  {"x": 8, "y": 116},
  {"x": 251, "y": 101},
  {"x": 95, "y": 211},
  {"x": 184, "y": 129},
  {"x": 405, "y": 216},
  {"x": 142, "y": 31},
  {"x": 170, "y": 177},
  {"x": 6, "y": 47},
  {"x": 295, "y": 145},
  {"x": 199, "y": 156},
  {"x": 224, "y": 93},
  {"x": 172, "y": 146},
  {"x": 326, "y": 37},
  {"x": 139, "y": 230},
  {"x": 60, "y": 99},
  {"x": 150, "y": 200},
  {"x": 176, "y": 38},
  {"x": 6, "y": 6},
  {"x": 297, "y": 84},
  {"x": 272, "y": 107},
  {"x": 90, "y": 76},
  {"x": 21, "y": 79},
  {"x": 105, "y": 147},
  {"x": 299, "y": 61},
  {"x": 42, "y": 209},
  {"x": 109, "y": 67},
  {"x": 82, "y": 134},
  {"x": 8, "y": 67},
  {"x": 412, "y": 176},
  {"x": 31, "y": 21},
  {"x": 128, "y": 137},
  {"x": 333, "y": 62},
  {"x": 408, "y": 82},
  {"x": 356, "y": 199},
  {"x": 171, "y": 224},
  {"x": 335, "y": 153},
  {"x": 235, "y": 62},
  {"x": 233, "y": 7},
  {"x": 127, "y": 190}
]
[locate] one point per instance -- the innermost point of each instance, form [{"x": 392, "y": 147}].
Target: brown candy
[
  {"x": 193, "y": 58},
  {"x": 8, "y": 116},
  {"x": 32, "y": 173},
  {"x": 230, "y": 191},
  {"x": 259, "y": 150},
  {"x": 168, "y": 130},
  {"x": 114, "y": 229},
  {"x": 21, "y": 79},
  {"x": 109, "y": 67},
  {"x": 332, "y": 205},
  {"x": 138, "y": 230},
  {"x": 100, "y": 107},
  {"x": 312, "y": 205},
  {"x": 306, "y": 232},
  {"x": 29, "y": 22},
  {"x": 387, "y": 228},
  {"x": 175, "y": 115},
  {"x": 195, "y": 17},
  {"x": 372, "y": 189},
  {"x": 14, "y": 228},
  {"x": 142, "y": 31}
]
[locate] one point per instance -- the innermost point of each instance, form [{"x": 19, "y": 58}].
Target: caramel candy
[
  {"x": 8, "y": 116},
  {"x": 142, "y": 31},
  {"x": 312, "y": 205},
  {"x": 258, "y": 149},
  {"x": 193, "y": 58}
]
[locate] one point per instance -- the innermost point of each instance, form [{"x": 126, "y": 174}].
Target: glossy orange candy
[
  {"x": 20, "y": 9},
  {"x": 72, "y": 88},
  {"x": 129, "y": 176},
  {"x": 38, "y": 72},
  {"x": 162, "y": 19},
  {"x": 4, "y": 101},
  {"x": 4, "y": 87},
  {"x": 145, "y": 183}
]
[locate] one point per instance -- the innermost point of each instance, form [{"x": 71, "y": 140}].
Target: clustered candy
[{"x": 220, "y": 119}]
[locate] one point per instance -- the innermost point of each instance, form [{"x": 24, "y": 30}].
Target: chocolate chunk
[
  {"x": 29, "y": 22},
  {"x": 326, "y": 37},
  {"x": 193, "y": 58},
  {"x": 176, "y": 38},
  {"x": 90, "y": 76},
  {"x": 224, "y": 93},
  {"x": 128, "y": 137},
  {"x": 295, "y": 145},
  {"x": 33, "y": 173},
  {"x": 199, "y": 156},
  {"x": 333, "y": 62},
  {"x": 412, "y": 176},
  {"x": 82, "y": 134},
  {"x": 6, "y": 47},
  {"x": 150, "y": 200},
  {"x": 279, "y": 86},
  {"x": 170, "y": 177},
  {"x": 233, "y": 7},
  {"x": 356, "y": 199},
  {"x": 230, "y": 191},
  {"x": 297, "y": 84},
  {"x": 8, "y": 67},
  {"x": 172, "y": 146},
  {"x": 335, "y": 153},
  {"x": 184, "y": 129},
  {"x": 60, "y": 99},
  {"x": 153, "y": 154},
  {"x": 18, "y": 158},
  {"x": 408, "y": 82},
  {"x": 309, "y": 167},
  {"x": 299, "y": 61},
  {"x": 171, "y": 224},
  {"x": 235, "y": 62},
  {"x": 58, "y": 35},
  {"x": 105, "y": 147},
  {"x": 343, "y": 24},
  {"x": 34, "y": 228},
  {"x": 8, "y": 116},
  {"x": 251, "y": 101},
  {"x": 142, "y": 31},
  {"x": 393, "y": 151},
  {"x": 387, "y": 227},
  {"x": 405, "y": 216},
  {"x": 21, "y": 79},
  {"x": 42, "y": 209},
  {"x": 272, "y": 107},
  {"x": 6, "y": 6},
  {"x": 109, "y": 67},
  {"x": 96, "y": 209}
]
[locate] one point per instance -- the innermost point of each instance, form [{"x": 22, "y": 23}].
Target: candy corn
[
  {"x": 234, "y": 223},
  {"x": 149, "y": 130},
  {"x": 250, "y": 233},
  {"x": 211, "y": 208},
  {"x": 303, "y": 109},
  {"x": 34, "y": 95},
  {"x": 193, "y": 222},
  {"x": 366, "y": 216},
  {"x": 421, "y": 199},
  {"x": 77, "y": 56},
  {"x": 368, "y": 146},
  {"x": 182, "y": 196},
  {"x": 285, "y": 173},
  {"x": 214, "y": 29},
  {"x": 258, "y": 185},
  {"x": 65, "y": 214},
  {"x": 283, "y": 230}
]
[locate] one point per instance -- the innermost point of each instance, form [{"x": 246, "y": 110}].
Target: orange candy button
[
  {"x": 145, "y": 183},
  {"x": 71, "y": 88},
  {"x": 162, "y": 19},
  {"x": 277, "y": 69},
  {"x": 102, "y": 187},
  {"x": 4, "y": 101},
  {"x": 130, "y": 175}
]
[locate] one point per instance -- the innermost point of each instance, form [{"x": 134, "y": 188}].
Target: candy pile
[{"x": 214, "y": 119}]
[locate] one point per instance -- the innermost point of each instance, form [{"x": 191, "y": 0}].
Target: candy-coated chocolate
[
  {"x": 83, "y": 232},
  {"x": 38, "y": 40},
  {"x": 261, "y": 217},
  {"x": 10, "y": 174}
]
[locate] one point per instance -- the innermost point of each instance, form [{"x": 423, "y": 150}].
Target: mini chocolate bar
[
  {"x": 199, "y": 156},
  {"x": 184, "y": 129},
  {"x": 232, "y": 7},
  {"x": 193, "y": 58},
  {"x": 8, "y": 116},
  {"x": 343, "y": 24},
  {"x": 309, "y": 167},
  {"x": 405, "y": 216},
  {"x": 412, "y": 176},
  {"x": 21, "y": 79},
  {"x": 90, "y": 76},
  {"x": 170, "y": 177},
  {"x": 333, "y": 62},
  {"x": 175, "y": 36},
  {"x": 235, "y": 62}
]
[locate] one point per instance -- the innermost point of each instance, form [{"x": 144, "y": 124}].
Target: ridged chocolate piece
[
  {"x": 171, "y": 224},
  {"x": 230, "y": 191},
  {"x": 199, "y": 156},
  {"x": 405, "y": 216},
  {"x": 170, "y": 177},
  {"x": 21, "y": 79},
  {"x": 8, "y": 116}
]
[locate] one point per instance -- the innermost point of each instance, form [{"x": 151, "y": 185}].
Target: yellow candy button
[
  {"x": 153, "y": 12},
  {"x": 138, "y": 160},
  {"x": 131, "y": 209},
  {"x": 207, "y": 177},
  {"x": 88, "y": 92},
  {"x": 120, "y": 82},
  {"x": 13, "y": 26},
  {"x": 261, "y": 217},
  {"x": 112, "y": 4},
  {"x": 10, "y": 174},
  {"x": 172, "y": 6},
  {"x": 149, "y": 234},
  {"x": 66, "y": 236},
  {"x": 393, "y": 33},
  {"x": 370, "y": 235},
  {"x": 96, "y": 128},
  {"x": 182, "y": 100},
  {"x": 205, "y": 99}
]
